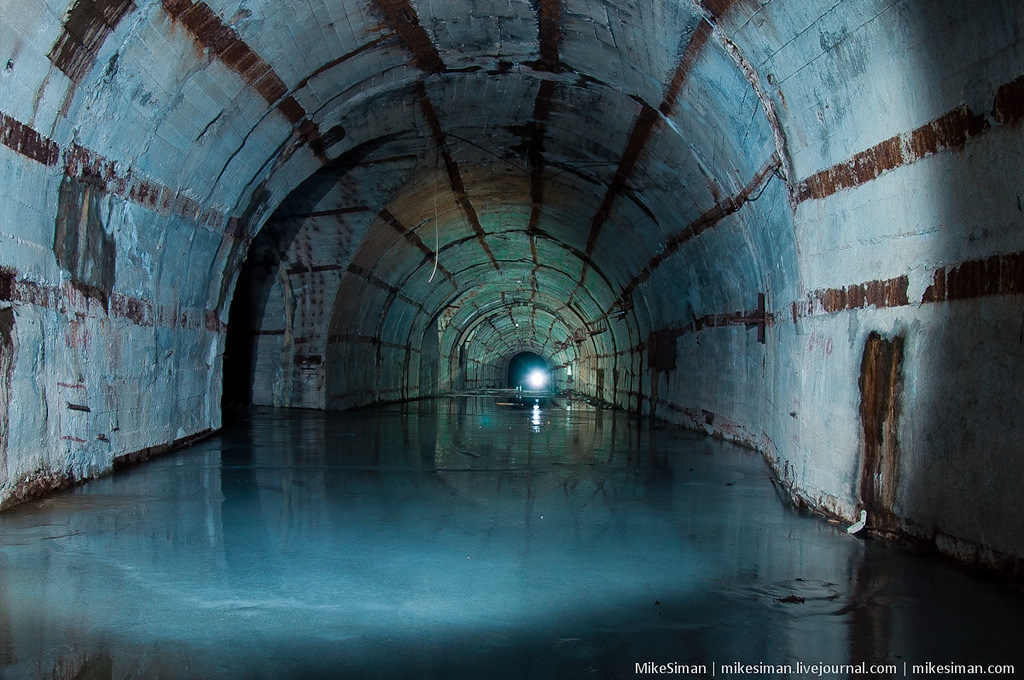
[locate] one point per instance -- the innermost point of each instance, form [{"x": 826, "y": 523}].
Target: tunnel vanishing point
[{"x": 794, "y": 224}]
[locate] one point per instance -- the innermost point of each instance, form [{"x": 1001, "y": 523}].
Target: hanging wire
[{"x": 437, "y": 235}]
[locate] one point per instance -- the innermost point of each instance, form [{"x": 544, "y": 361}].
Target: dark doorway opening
[
  {"x": 525, "y": 369},
  {"x": 238, "y": 355}
]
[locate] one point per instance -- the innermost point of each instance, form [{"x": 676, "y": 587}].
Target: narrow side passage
[{"x": 454, "y": 538}]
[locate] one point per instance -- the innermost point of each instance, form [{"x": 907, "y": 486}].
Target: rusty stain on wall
[
  {"x": 995, "y": 275},
  {"x": 6, "y": 376},
  {"x": 879, "y": 294},
  {"x": 454, "y": 174},
  {"x": 40, "y": 483},
  {"x": 403, "y": 20},
  {"x": 27, "y": 142},
  {"x": 1009, "y": 102},
  {"x": 86, "y": 27},
  {"x": 81, "y": 243},
  {"x": 881, "y": 385},
  {"x": 707, "y": 220},
  {"x": 549, "y": 28},
  {"x": 213, "y": 34},
  {"x": 949, "y": 131}
]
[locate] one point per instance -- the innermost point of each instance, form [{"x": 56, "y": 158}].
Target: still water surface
[{"x": 459, "y": 538}]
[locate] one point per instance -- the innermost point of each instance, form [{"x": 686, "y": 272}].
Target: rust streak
[
  {"x": 949, "y": 131},
  {"x": 549, "y": 26},
  {"x": 693, "y": 49},
  {"x": 454, "y": 175},
  {"x": 222, "y": 40},
  {"x": 27, "y": 142},
  {"x": 88, "y": 24},
  {"x": 878, "y": 294},
  {"x": 402, "y": 19},
  {"x": 413, "y": 238},
  {"x": 706, "y": 221},
  {"x": 717, "y": 8},
  {"x": 541, "y": 112}
]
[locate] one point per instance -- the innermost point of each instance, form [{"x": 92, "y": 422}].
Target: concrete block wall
[
  {"x": 792, "y": 224},
  {"x": 118, "y": 234},
  {"x": 905, "y": 227}
]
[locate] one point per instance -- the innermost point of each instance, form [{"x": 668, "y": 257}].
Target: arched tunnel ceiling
[
  {"x": 546, "y": 155},
  {"x": 724, "y": 213}
]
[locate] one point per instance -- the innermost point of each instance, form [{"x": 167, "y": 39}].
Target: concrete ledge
[{"x": 44, "y": 481}]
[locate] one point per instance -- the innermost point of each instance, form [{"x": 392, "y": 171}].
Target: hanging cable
[{"x": 437, "y": 235}]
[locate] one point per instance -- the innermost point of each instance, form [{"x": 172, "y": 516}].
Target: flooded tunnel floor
[{"x": 463, "y": 538}]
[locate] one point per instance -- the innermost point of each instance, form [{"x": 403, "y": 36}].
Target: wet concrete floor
[{"x": 459, "y": 538}]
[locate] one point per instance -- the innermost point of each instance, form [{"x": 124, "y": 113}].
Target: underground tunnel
[{"x": 269, "y": 269}]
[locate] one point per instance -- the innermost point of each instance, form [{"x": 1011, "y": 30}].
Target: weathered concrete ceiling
[{"x": 535, "y": 150}]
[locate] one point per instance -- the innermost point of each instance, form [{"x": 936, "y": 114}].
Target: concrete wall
[
  {"x": 792, "y": 224},
  {"x": 906, "y": 220}
]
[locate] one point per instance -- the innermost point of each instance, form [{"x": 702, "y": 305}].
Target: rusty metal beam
[
  {"x": 454, "y": 175},
  {"x": 549, "y": 26},
  {"x": 380, "y": 283},
  {"x": 25, "y": 141},
  {"x": 949, "y": 131},
  {"x": 341, "y": 60},
  {"x": 541, "y": 113},
  {"x": 105, "y": 174},
  {"x": 86, "y": 28},
  {"x": 640, "y": 135},
  {"x": 717, "y": 8},
  {"x": 214, "y": 35},
  {"x": 707, "y": 220},
  {"x": 403, "y": 20},
  {"x": 334, "y": 212},
  {"x": 995, "y": 275},
  {"x": 643, "y": 128},
  {"x": 694, "y": 47},
  {"x": 879, "y": 294},
  {"x": 413, "y": 238},
  {"x": 627, "y": 163},
  {"x": 138, "y": 311}
]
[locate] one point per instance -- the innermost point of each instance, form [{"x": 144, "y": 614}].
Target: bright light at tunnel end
[{"x": 537, "y": 380}]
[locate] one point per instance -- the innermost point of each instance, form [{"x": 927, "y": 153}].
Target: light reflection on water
[{"x": 459, "y": 538}]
